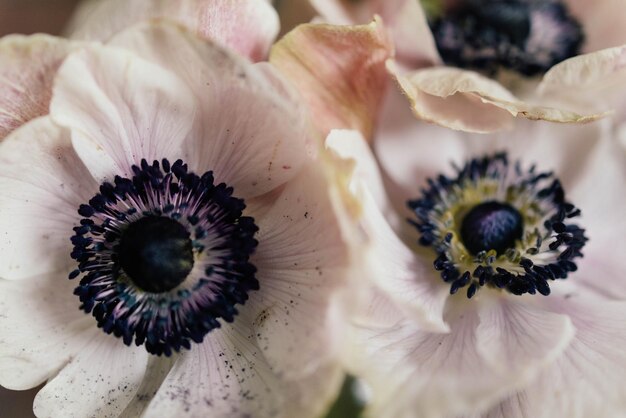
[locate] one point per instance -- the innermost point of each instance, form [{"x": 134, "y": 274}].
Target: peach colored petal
[
  {"x": 248, "y": 27},
  {"x": 603, "y": 22},
  {"x": 467, "y": 101},
  {"x": 28, "y": 65},
  {"x": 339, "y": 70}
]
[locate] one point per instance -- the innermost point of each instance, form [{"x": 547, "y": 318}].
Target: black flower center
[
  {"x": 163, "y": 256},
  {"x": 525, "y": 36},
  {"x": 491, "y": 226},
  {"x": 156, "y": 253}
]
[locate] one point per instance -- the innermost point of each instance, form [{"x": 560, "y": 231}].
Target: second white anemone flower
[
  {"x": 468, "y": 312},
  {"x": 168, "y": 248}
]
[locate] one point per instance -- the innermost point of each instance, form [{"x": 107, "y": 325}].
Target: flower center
[
  {"x": 525, "y": 36},
  {"x": 163, "y": 256},
  {"x": 156, "y": 253},
  {"x": 491, "y": 225},
  {"x": 497, "y": 225}
]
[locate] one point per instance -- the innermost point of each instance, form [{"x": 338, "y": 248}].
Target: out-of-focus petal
[
  {"x": 464, "y": 100},
  {"x": 603, "y": 23},
  {"x": 120, "y": 109},
  {"x": 43, "y": 183},
  {"x": 340, "y": 71},
  {"x": 249, "y": 27},
  {"x": 28, "y": 65}
]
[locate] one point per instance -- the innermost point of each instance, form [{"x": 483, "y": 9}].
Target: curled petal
[
  {"x": 464, "y": 100},
  {"x": 248, "y": 27},
  {"x": 339, "y": 70}
]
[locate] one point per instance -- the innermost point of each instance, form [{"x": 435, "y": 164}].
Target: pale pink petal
[
  {"x": 248, "y": 27},
  {"x": 467, "y": 101},
  {"x": 251, "y": 128},
  {"x": 587, "y": 379},
  {"x": 591, "y": 81},
  {"x": 28, "y": 65},
  {"x": 339, "y": 70},
  {"x": 405, "y": 19},
  {"x": 302, "y": 258},
  {"x": 120, "y": 109},
  {"x": 416, "y": 373},
  {"x": 43, "y": 184},
  {"x": 603, "y": 24},
  {"x": 42, "y": 329},
  {"x": 100, "y": 380}
]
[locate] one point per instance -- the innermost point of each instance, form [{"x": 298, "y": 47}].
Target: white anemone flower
[
  {"x": 467, "y": 312},
  {"x": 476, "y": 65},
  {"x": 169, "y": 245}
]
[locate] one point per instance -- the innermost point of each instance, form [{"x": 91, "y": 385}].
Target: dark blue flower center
[
  {"x": 525, "y": 36},
  {"x": 156, "y": 253},
  {"x": 491, "y": 226}
]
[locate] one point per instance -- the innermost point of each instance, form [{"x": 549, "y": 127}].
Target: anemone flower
[
  {"x": 169, "y": 243},
  {"x": 474, "y": 65},
  {"x": 480, "y": 302}
]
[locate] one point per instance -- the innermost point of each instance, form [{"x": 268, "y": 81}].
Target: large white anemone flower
[
  {"x": 480, "y": 301},
  {"x": 475, "y": 65},
  {"x": 168, "y": 247}
]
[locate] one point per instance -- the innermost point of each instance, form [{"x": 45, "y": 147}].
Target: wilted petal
[
  {"x": 249, "y": 27},
  {"x": 28, "y": 65},
  {"x": 464, "y": 100},
  {"x": 339, "y": 70}
]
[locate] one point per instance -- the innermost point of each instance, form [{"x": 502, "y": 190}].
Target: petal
[
  {"x": 414, "y": 42},
  {"x": 225, "y": 376},
  {"x": 156, "y": 371},
  {"x": 42, "y": 329},
  {"x": 43, "y": 183},
  {"x": 249, "y": 27},
  {"x": 603, "y": 27},
  {"x": 515, "y": 335},
  {"x": 416, "y": 373},
  {"x": 121, "y": 109},
  {"x": 586, "y": 379},
  {"x": 100, "y": 381},
  {"x": 251, "y": 131},
  {"x": 302, "y": 259},
  {"x": 465, "y": 100},
  {"x": 339, "y": 70},
  {"x": 590, "y": 81},
  {"x": 28, "y": 65}
]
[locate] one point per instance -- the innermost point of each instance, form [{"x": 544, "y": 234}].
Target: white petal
[
  {"x": 249, "y": 27},
  {"x": 42, "y": 329},
  {"x": 156, "y": 371},
  {"x": 28, "y": 65},
  {"x": 467, "y": 101},
  {"x": 43, "y": 183},
  {"x": 99, "y": 381},
  {"x": 301, "y": 259},
  {"x": 251, "y": 130},
  {"x": 602, "y": 26},
  {"x": 120, "y": 109},
  {"x": 225, "y": 376}
]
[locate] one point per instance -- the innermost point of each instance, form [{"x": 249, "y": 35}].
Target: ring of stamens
[
  {"x": 162, "y": 256},
  {"x": 547, "y": 245}
]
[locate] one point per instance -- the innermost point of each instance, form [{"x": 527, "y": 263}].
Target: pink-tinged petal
[
  {"x": 587, "y": 379},
  {"x": 602, "y": 22},
  {"x": 302, "y": 259},
  {"x": 595, "y": 80},
  {"x": 120, "y": 109},
  {"x": 42, "y": 329},
  {"x": 28, "y": 65},
  {"x": 339, "y": 70},
  {"x": 251, "y": 127},
  {"x": 467, "y": 101},
  {"x": 515, "y": 335},
  {"x": 105, "y": 372},
  {"x": 413, "y": 40},
  {"x": 43, "y": 183},
  {"x": 416, "y": 373},
  {"x": 248, "y": 27}
]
